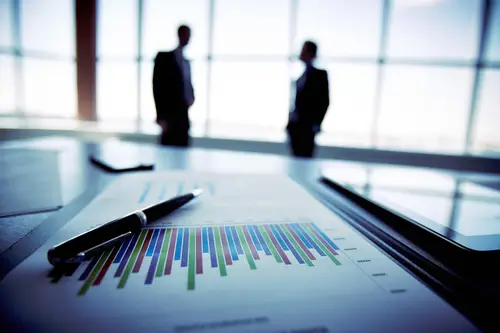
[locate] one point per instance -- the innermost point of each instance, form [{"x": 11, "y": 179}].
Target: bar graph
[
  {"x": 162, "y": 252},
  {"x": 159, "y": 191}
]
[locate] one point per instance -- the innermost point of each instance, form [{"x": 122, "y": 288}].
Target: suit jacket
[
  {"x": 168, "y": 90},
  {"x": 311, "y": 100}
]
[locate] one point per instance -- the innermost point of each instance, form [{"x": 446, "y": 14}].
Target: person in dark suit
[
  {"x": 311, "y": 103},
  {"x": 173, "y": 92}
]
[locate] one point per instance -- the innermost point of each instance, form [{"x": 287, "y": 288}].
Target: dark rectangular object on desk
[{"x": 29, "y": 181}]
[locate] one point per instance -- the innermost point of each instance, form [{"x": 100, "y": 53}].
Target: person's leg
[
  {"x": 302, "y": 143},
  {"x": 176, "y": 139}
]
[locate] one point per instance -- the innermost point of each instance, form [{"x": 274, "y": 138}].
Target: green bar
[
  {"x": 298, "y": 248},
  {"x": 93, "y": 274},
  {"x": 192, "y": 259},
  {"x": 132, "y": 259},
  {"x": 163, "y": 254},
  {"x": 321, "y": 245},
  {"x": 243, "y": 241},
  {"x": 270, "y": 244},
  {"x": 220, "y": 255}
]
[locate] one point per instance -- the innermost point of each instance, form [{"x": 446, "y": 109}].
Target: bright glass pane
[
  {"x": 252, "y": 27},
  {"x": 197, "y": 113},
  {"x": 48, "y": 26},
  {"x": 7, "y": 84},
  {"x": 117, "y": 28},
  {"x": 250, "y": 94},
  {"x": 340, "y": 27},
  {"x": 349, "y": 119},
  {"x": 49, "y": 87},
  {"x": 424, "y": 108},
  {"x": 487, "y": 133},
  {"x": 6, "y": 23},
  {"x": 161, "y": 20},
  {"x": 493, "y": 40},
  {"x": 434, "y": 29},
  {"x": 116, "y": 90}
]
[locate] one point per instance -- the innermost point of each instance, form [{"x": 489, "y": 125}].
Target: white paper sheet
[{"x": 225, "y": 287}]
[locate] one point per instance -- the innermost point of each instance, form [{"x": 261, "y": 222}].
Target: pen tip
[{"x": 197, "y": 191}]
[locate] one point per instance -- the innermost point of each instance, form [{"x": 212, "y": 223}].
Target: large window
[{"x": 413, "y": 75}]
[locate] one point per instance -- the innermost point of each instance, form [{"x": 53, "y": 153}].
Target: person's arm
[{"x": 323, "y": 96}]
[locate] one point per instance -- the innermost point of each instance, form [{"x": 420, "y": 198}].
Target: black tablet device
[
  {"x": 458, "y": 210},
  {"x": 117, "y": 156}
]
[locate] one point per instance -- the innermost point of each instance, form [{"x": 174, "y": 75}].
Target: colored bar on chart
[
  {"x": 89, "y": 268},
  {"x": 262, "y": 242},
  {"x": 133, "y": 257},
  {"x": 123, "y": 262},
  {"x": 277, "y": 245},
  {"x": 239, "y": 249},
  {"x": 220, "y": 254},
  {"x": 230, "y": 240},
  {"x": 152, "y": 243},
  {"x": 185, "y": 248},
  {"x": 106, "y": 266},
  {"x": 123, "y": 249},
  {"x": 250, "y": 242},
  {"x": 225, "y": 246},
  {"x": 321, "y": 239},
  {"x": 142, "y": 252},
  {"x": 171, "y": 248},
  {"x": 304, "y": 234},
  {"x": 269, "y": 244},
  {"x": 205, "y": 239},
  {"x": 86, "y": 285},
  {"x": 156, "y": 254},
  {"x": 256, "y": 241},
  {"x": 180, "y": 188},
  {"x": 294, "y": 242},
  {"x": 299, "y": 241},
  {"x": 192, "y": 260},
  {"x": 211, "y": 188},
  {"x": 248, "y": 254},
  {"x": 211, "y": 246},
  {"x": 178, "y": 246},
  {"x": 323, "y": 245},
  {"x": 145, "y": 192},
  {"x": 299, "y": 233},
  {"x": 167, "y": 244},
  {"x": 328, "y": 239},
  {"x": 199, "y": 256},
  {"x": 290, "y": 246},
  {"x": 161, "y": 197},
  {"x": 278, "y": 237}
]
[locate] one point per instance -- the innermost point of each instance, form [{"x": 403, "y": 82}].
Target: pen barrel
[
  {"x": 94, "y": 237},
  {"x": 158, "y": 211}
]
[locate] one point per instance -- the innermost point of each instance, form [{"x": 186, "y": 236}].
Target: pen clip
[{"x": 82, "y": 256}]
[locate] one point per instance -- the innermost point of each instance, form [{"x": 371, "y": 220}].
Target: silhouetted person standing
[
  {"x": 311, "y": 102},
  {"x": 173, "y": 92}
]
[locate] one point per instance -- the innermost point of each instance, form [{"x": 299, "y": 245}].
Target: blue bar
[
  {"x": 255, "y": 240},
  {"x": 151, "y": 247},
  {"x": 299, "y": 233},
  {"x": 303, "y": 235},
  {"x": 185, "y": 248},
  {"x": 278, "y": 237},
  {"x": 230, "y": 241},
  {"x": 145, "y": 193},
  {"x": 325, "y": 237},
  {"x": 89, "y": 268},
  {"x": 120, "y": 254},
  {"x": 261, "y": 241},
  {"x": 162, "y": 193},
  {"x": 178, "y": 245},
  {"x": 204, "y": 239},
  {"x": 211, "y": 188},
  {"x": 180, "y": 188},
  {"x": 290, "y": 246},
  {"x": 237, "y": 240},
  {"x": 211, "y": 243}
]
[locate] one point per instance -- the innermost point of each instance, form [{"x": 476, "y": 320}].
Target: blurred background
[{"x": 408, "y": 75}]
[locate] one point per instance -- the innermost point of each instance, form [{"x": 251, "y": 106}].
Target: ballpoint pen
[{"x": 94, "y": 241}]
